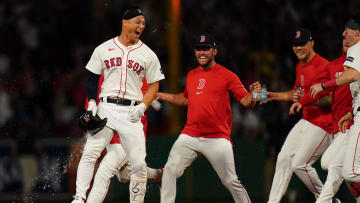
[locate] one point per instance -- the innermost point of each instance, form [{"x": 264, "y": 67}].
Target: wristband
[
  {"x": 329, "y": 83},
  {"x": 323, "y": 86}
]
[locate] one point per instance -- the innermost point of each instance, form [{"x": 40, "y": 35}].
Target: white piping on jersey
[{"x": 126, "y": 64}]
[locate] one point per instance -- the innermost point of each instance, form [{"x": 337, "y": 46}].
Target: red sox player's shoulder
[
  {"x": 340, "y": 60},
  {"x": 319, "y": 60}
]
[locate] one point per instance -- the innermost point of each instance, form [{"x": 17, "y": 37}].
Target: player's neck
[
  {"x": 126, "y": 41},
  {"x": 309, "y": 58},
  {"x": 208, "y": 66}
]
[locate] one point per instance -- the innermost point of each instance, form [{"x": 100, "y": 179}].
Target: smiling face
[
  {"x": 304, "y": 51},
  {"x": 133, "y": 28},
  {"x": 350, "y": 37},
  {"x": 205, "y": 56}
]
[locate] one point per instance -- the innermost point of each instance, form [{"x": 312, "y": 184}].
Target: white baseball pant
[
  {"x": 220, "y": 155},
  {"x": 332, "y": 150},
  {"x": 94, "y": 145},
  {"x": 351, "y": 169},
  {"x": 114, "y": 159},
  {"x": 114, "y": 162},
  {"x": 133, "y": 141},
  {"x": 335, "y": 159},
  {"x": 304, "y": 145}
]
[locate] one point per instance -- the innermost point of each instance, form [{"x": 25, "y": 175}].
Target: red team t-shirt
[
  {"x": 306, "y": 76},
  {"x": 342, "y": 99},
  {"x": 208, "y": 92},
  {"x": 341, "y": 96}
]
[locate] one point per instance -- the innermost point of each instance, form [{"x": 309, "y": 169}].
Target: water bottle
[
  {"x": 156, "y": 105},
  {"x": 255, "y": 95},
  {"x": 263, "y": 94},
  {"x": 299, "y": 88}
]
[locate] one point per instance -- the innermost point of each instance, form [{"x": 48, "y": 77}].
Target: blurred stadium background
[{"x": 45, "y": 45}]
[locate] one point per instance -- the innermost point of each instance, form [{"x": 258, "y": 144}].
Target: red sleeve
[
  {"x": 236, "y": 87},
  {"x": 308, "y": 100},
  {"x": 185, "y": 93}
]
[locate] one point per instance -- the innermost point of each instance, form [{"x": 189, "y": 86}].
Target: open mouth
[
  {"x": 202, "y": 58},
  {"x": 137, "y": 33}
]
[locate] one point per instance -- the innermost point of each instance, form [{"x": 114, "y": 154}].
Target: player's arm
[
  {"x": 323, "y": 101},
  {"x": 280, "y": 96},
  {"x": 150, "y": 93},
  {"x": 92, "y": 85},
  {"x": 348, "y": 76},
  {"x": 248, "y": 101},
  {"x": 177, "y": 99}
]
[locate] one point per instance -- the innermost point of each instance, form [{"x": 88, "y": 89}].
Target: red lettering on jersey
[
  {"x": 136, "y": 66},
  {"x": 107, "y": 64},
  {"x": 130, "y": 63},
  {"x": 140, "y": 69},
  {"x": 112, "y": 62},
  {"x": 118, "y": 61}
]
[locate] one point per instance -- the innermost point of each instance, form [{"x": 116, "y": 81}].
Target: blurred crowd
[{"x": 45, "y": 45}]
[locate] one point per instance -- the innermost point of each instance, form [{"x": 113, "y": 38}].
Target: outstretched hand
[
  {"x": 316, "y": 89},
  {"x": 295, "y": 107}
]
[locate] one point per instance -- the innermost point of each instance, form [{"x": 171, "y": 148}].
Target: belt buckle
[{"x": 117, "y": 101}]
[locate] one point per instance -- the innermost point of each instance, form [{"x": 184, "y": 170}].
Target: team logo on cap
[
  {"x": 139, "y": 10},
  {"x": 298, "y": 33},
  {"x": 202, "y": 38}
]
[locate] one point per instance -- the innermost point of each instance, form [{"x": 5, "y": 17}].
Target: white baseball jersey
[
  {"x": 124, "y": 68},
  {"x": 353, "y": 61}
]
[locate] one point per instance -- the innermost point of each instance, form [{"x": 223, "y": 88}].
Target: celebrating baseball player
[
  {"x": 124, "y": 61},
  {"x": 351, "y": 75},
  {"x": 309, "y": 138},
  {"x": 340, "y": 102},
  {"x": 116, "y": 162},
  {"x": 209, "y": 119}
]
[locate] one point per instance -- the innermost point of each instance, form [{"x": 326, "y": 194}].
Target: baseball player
[
  {"x": 309, "y": 138},
  {"x": 209, "y": 119},
  {"x": 124, "y": 61},
  {"x": 340, "y": 102},
  {"x": 351, "y": 75}
]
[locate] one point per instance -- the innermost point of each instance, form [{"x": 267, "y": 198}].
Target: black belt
[{"x": 118, "y": 101}]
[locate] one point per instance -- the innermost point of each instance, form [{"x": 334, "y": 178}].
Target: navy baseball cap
[
  {"x": 205, "y": 40},
  {"x": 352, "y": 24},
  {"x": 132, "y": 13},
  {"x": 301, "y": 36}
]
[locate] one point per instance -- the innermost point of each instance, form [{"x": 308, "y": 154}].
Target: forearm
[
  {"x": 248, "y": 102},
  {"x": 92, "y": 85},
  {"x": 283, "y": 96},
  {"x": 348, "y": 76},
  {"x": 177, "y": 99},
  {"x": 323, "y": 101},
  {"x": 150, "y": 93}
]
